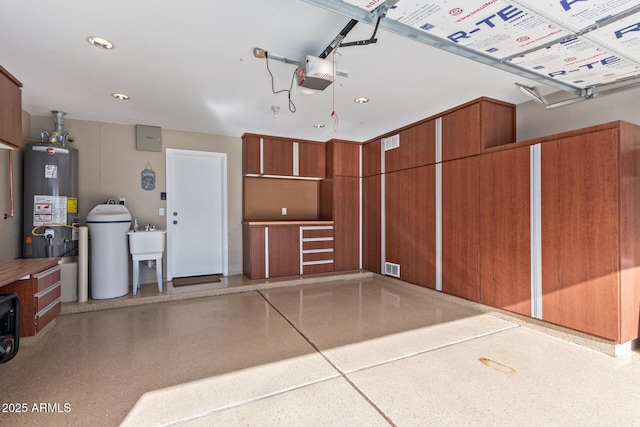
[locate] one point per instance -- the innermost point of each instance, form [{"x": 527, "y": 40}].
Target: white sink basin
[{"x": 146, "y": 243}]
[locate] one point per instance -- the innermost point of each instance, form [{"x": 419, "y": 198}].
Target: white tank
[{"x": 108, "y": 251}]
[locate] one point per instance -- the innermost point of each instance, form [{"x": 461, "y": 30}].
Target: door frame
[{"x": 170, "y": 153}]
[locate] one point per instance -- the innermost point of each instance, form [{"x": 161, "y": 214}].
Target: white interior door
[{"x": 196, "y": 213}]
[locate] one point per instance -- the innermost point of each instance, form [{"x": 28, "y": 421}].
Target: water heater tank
[{"x": 50, "y": 208}]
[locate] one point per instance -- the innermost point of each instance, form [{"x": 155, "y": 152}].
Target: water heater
[{"x": 50, "y": 204}]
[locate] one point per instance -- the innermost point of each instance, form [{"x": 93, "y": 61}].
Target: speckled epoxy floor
[{"x": 348, "y": 352}]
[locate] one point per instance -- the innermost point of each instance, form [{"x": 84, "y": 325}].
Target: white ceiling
[{"x": 188, "y": 65}]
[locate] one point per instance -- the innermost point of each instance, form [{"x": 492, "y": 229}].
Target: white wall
[
  {"x": 533, "y": 121},
  {"x": 110, "y": 166}
]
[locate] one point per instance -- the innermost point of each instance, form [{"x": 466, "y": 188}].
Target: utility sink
[{"x": 146, "y": 244}]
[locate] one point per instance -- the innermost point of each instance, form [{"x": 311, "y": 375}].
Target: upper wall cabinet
[
  {"x": 473, "y": 127},
  {"x": 10, "y": 110},
  {"x": 343, "y": 158},
  {"x": 264, "y": 155},
  {"x": 464, "y": 131},
  {"x": 411, "y": 147}
]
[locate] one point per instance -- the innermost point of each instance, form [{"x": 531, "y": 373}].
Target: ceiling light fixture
[
  {"x": 100, "y": 42},
  {"x": 121, "y": 96},
  {"x": 318, "y": 125},
  {"x": 361, "y": 100},
  {"x": 275, "y": 110}
]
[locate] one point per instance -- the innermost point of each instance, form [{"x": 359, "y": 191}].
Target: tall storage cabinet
[
  {"x": 580, "y": 266},
  {"x": 581, "y": 211},
  {"x": 410, "y": 224},
  {"x": 426, "y": 221},
  {"x": 340, "y": 201},
  {"x": 505, "y": 230},
  {"x": 460, "y": 228}
]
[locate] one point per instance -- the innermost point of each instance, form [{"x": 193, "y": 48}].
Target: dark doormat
[{"x": 195, "y": 280}]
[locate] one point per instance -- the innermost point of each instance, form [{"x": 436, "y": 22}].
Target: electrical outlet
[
  {"x": 284, "y": 211},
  {"x": 123, "y": 201},
  {"x": 161, "y": 211}
]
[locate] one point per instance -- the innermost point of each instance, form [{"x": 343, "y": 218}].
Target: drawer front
[
  {"x": 317, "y": 256},
  {"x": 46, "y": 278},
  {"x": 318, "y": 268},
  {"x": 315, "y": 245},
  {"x": 46, "y": 297},
  {"x": 311, "y": 233},
  {"x": 44, "y": 317}
]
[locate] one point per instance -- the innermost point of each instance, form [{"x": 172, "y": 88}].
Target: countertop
[{"x": 12, "y": 270}]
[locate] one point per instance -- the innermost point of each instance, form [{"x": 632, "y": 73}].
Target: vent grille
[
  {"x": 391, "y": 142},
  {"x": 391, "y": 269}
]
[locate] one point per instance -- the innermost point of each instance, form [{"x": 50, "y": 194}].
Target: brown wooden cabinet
[
  {"x": 284, "y": 251},
  {"x": 287, "y": 248},
  {"x": 505, "y": 230},
  {"x": 285, "y": 157},
  {"x": 589, "y": 190},
  {"x": 410, "y": 224},
  {"x": 340, "y": 203},
  {"x": 473, "y": 127},
  {"x": 580, "y": 233},
  {"x": 460, "y": 228},
  {"x": 251, "y": 156},
  {"x": 10, "y": 109},
  {"x": 371, "y": 155},
  {"x": 40, "y": 299},
  {"x": 311, "y": 159},
  {"x": 343, "y": 158},
  {"x": 417, "y": 147},
  {"x": 277, "y": 157}
]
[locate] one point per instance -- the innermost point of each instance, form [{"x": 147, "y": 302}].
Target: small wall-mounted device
[{"x": 148, "y": 138}]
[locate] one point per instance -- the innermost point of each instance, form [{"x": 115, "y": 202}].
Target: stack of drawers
[{"x": 316, "y": 249}]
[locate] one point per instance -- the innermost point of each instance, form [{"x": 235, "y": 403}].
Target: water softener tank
[{"x": 50, "y": 208}]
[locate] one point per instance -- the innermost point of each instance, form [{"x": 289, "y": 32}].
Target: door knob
[
  {"x": 175, "y": 214},
  {"x": 175, "y": 222}
]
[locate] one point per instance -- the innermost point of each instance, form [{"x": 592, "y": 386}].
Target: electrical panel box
[{"x": 148, "y": 138}]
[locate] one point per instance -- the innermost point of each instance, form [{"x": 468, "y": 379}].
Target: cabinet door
[
  {"x": 284, "y": 251},
  {"x": 505, "y": 233},
  {"x": 371, "y": 158},
  {"x": 277, "y": 157},
  {"x": 460, "y": 228},
  {"x": 311, "y": 160},
  {"x": 253, "y": 259},
  {"x": 410, "y": 224},
  {"x": 10, "y": 109},
  {"x": 417, "y": 148},
  {"x": 580, "y": 251},
  {"x": 419, "y": 257},
  {"x": 251, "y": 155},
  {"x": 461, "y": 133},
  {"x": 371, "y": 226},
  {"x": 343, "y": 159},
  {"x": 346, "y": 223}
]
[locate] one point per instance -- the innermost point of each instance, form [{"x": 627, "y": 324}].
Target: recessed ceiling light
[
  {"x": 361, "y": 100},
  {"x": 318, "y": 125},
  {"x": 100, "y": 42},
  {"x": 122, "y": 96}
]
